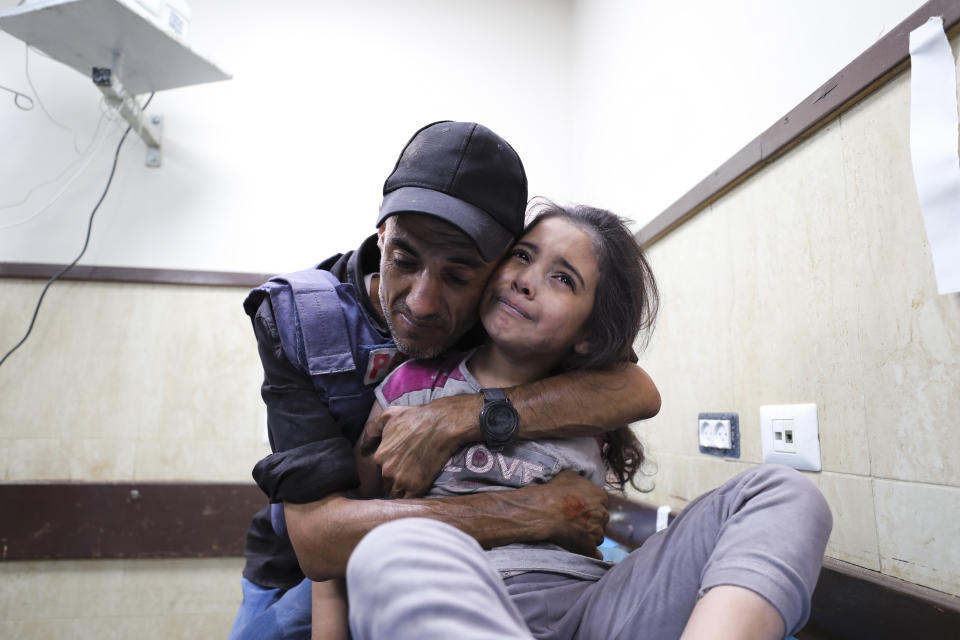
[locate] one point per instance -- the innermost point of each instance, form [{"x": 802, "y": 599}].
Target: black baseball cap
[{"x": 465, "y": 174}]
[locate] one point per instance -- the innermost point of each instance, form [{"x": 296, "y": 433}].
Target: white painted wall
[
  {"x": 625, "y": 104},
  {"x": 284, "y": 164},
  {"x": 668, "y": 91}
]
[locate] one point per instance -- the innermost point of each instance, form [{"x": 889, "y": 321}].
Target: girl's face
[{"x": 537, "y": 302}]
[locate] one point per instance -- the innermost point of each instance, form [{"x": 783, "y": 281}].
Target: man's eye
[
  {"x": 458, "y": 281},
  {"x": 404, "y": 263}
]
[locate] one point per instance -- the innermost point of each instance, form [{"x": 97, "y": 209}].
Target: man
[{"x": 452, "y": 207}]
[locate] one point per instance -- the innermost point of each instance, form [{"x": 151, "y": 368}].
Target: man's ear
[{"x": 380, "y": 231}]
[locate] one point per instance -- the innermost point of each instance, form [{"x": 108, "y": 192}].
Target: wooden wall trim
[
  {"x": 869, "y": 71},
  {"x": 57, "y": 520},
  {"x": 45, "y": 271},
  {"x": 46, "y": 521},
  {"x": 853, "y": 602}
]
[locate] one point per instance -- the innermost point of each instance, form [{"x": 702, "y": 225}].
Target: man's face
[{"x": 431, "y": 278}]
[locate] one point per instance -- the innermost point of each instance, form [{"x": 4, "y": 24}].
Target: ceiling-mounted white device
[{"x": 127, "y": 47}]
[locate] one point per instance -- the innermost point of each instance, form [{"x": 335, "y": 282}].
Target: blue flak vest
[{"x": 325, "y": 333}]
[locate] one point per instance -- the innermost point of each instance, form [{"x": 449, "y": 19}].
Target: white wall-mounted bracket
[
  {"x": 126, "y": 104},
  {"x": 123, "y": 37}
]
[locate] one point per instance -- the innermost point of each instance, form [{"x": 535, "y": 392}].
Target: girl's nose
[{"x": 522, "y": 285}]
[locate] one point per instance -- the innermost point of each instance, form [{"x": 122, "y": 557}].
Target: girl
[
  {"x": 738, "y": 562},
  {"x": 573, "y": 293}
]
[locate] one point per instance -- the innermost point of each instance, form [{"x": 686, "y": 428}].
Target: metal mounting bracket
[
  {"x": 126, "y": 104},
  {"x": 155, "y": 154}
]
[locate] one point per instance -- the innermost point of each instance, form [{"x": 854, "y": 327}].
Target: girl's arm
[
  {"x": 329, "y": 597},
  {"x": 329, "y": 609}
]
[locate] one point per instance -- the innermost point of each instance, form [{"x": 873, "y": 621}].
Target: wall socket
[
  {"x": 719, "y": 434},
  {"x": 790, "y": 435}
]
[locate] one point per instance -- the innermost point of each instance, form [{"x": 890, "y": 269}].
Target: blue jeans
[{"x": 273, "y": 614}]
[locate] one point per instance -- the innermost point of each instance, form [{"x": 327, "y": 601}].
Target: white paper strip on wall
[{"x": 933, "y": 147}]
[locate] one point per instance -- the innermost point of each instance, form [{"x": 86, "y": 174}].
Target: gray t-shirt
[{"x": 522, "y": 463}]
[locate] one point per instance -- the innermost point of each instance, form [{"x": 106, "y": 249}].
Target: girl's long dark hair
[{"x": 624, "y": 310}]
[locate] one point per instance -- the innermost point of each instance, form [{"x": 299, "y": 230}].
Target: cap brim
[{"x": 490, "y": 236}]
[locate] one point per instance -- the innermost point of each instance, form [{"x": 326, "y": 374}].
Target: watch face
[{"x": 501, "y": 420}]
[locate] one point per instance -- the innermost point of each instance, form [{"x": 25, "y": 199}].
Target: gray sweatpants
[{"x": 765, "y": 529}]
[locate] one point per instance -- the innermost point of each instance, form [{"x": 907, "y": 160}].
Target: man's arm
[
  {"x": 312, "y": 457},
  {"x": 569, "y": 510},
  {"x": 313, "y": 465},
  {"x": 412, "y": 443}
]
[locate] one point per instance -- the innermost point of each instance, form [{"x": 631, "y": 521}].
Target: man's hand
[
  {"x": 579, "y": 507},
  {"x": 413, "y": 443}
]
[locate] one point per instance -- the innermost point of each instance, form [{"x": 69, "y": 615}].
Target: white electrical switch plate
[{"x": 790, "y": 435}]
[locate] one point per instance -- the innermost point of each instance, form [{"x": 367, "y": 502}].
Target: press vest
[{"x": 325, "y": 333}]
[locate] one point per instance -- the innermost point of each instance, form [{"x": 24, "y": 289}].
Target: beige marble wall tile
[
  {"x": 854, "y": 535},
  {"x": 12, "y": 629},
  {"x": 65, "y": 377},
  {"x": 63, "y": 589},
  {"x": 174, "y": 627},
  {"x": 918, "y": 526},
  {"x": 759, "y": 308},
  {"x": 77, "y": 598},
  {"x": 111, "y": 363},
  {"x": 210, "y": 376},
  {"x": 6, "y": 444},
  {"x": 192, "y": 459},
  {"x": 688, "y": 355},
  {"x": 115, "y": 360},
  {"x": 206, "y": 625},
  {"x": 911, "y": 335},
  {"x": 88, "y": 459},
  {"x": 100, "y": 459},
  {"x": 182, "y": 586},
  {"x": 681, "y": 478},
  {"x": 35, "y": 458},
  {"x": 796, "y": 328},
  {"x": 8, "y": 590},
  {"x": 56, "y": 628}
]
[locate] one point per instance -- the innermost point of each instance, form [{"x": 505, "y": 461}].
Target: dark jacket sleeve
[{"x": 311, "y": 456}]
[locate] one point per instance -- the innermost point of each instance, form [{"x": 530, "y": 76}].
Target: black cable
[{"x": 86, "y": 242}]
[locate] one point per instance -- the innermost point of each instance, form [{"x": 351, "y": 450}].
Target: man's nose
[{"x": 426, "y": 297}]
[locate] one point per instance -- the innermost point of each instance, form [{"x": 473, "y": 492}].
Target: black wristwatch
[{"x": 498, "y": 419}]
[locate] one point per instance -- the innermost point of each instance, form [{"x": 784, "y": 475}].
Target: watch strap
[{"x": 493, "y": 394}]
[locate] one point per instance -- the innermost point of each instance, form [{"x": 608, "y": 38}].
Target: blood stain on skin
[{"x": 573, "y": 507}]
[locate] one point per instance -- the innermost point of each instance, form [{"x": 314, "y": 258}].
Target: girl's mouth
[{"x": 512, "y": 308}]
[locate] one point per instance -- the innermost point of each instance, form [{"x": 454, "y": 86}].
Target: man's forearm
[
  {"x": 416, "y": 441},
  {"x": 584, "y": 402},
  {"x": 577, "y": 403},
  {"x": 568, "y": 510},
  {"x": 325, "y": 533}
]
